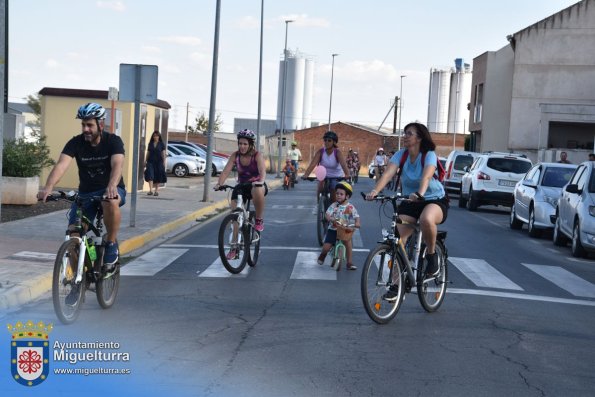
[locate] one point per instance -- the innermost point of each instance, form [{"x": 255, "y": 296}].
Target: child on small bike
[
  {"x": 289, "y": 171},
  {"x": 341, "y": 215}
]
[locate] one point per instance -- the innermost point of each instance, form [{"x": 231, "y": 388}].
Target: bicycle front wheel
[
  {"x": 107, "y": 288},
  {"x": 253, "y": 237},
  {"x": 233, "y": 246},
  {"x": 431, "y": 291},
  {"x": 321, "y": 223},
  {"x": 381, "y": 305},
  {"x": 67, "y": 295}
]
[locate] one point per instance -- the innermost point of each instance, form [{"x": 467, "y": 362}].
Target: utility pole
[
  {"x": 187, "y": 110},
  {"x": 395, "y": 116},
  {"x": 3, "y": 77}
]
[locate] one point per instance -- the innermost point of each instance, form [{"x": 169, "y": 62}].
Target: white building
[
  {"x": 298, "y": 95},
  {"x": 537, "y": 94}
]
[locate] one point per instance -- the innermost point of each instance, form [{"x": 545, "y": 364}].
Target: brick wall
[{"x": 363, "y": 141}]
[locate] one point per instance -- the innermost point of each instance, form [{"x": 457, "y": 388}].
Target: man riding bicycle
[
  {"x": 100, "y": 157},
  {"x": 294, "y": 155}
]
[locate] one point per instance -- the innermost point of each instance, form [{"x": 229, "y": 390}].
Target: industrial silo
[
  {"x": 308, "y": 90},
  {"x": 438, "y": 100},
  {"x": 298, "y": 95},
  {"x": 460, "y": 95}
]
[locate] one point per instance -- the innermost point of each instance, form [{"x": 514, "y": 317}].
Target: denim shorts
[
  {"x": 330, "y": 237},
  {"x": 90, "y": 208}
]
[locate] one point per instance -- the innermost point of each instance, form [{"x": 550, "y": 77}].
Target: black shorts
[
  {"x": 415, "y": 208},
  {"x": 246, "y": 191}
]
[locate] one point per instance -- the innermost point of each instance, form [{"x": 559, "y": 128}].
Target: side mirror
[
  {"x": 573, "y": 189},
  {"x": 529, "y": 183}
]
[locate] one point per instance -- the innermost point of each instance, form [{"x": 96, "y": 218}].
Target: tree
[
  {"x": 202, "y": 124},
  {"x": 34, "y": 103}
]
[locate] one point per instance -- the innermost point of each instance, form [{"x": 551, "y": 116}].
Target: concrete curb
[{"x": 27, "y": 291}]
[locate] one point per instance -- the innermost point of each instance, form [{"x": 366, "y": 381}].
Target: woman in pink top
[
  {"x": 331, "y": 158},
  {"x": 251, "y": 168}
]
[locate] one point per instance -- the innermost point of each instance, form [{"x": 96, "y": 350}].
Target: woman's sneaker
[
  {"x": 259, "y": 224},
  {"x": 432, "y": 268},
  {"x": 321, "y": 258}
]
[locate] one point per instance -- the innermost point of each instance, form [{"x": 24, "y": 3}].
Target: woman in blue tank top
[{"x": 427, "y": 199}]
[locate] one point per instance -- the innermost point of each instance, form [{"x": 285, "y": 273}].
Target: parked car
[
  {"x": 536, "y": 196},
  {"x": 217, "y": 163},
  {"x": 182, "y": 165},
  {"x": 200, "y": 146},
  {"x": 491, "y": 180},
  {"x": 575, "y": 214},
  {"x": 455, "y": 165}
]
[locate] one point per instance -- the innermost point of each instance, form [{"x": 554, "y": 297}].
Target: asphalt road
[{"x": 517, "y": 320}]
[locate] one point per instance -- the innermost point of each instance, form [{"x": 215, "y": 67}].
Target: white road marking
[
  {"x": 565, "y": 280},
  {"x": 513, "y": 295},
  {"x": 290, "y": 207},
  {"x": 306, "y": 268},
  {"x": 34, "y": 255},
  {"x": 152, "y": 262},
  {"x": 261, "y": 248},
  {"x": 216, "y": 270},
  {"x": 482, "y": 274}
]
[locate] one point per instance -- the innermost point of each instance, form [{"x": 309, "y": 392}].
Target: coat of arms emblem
[{"x": 29, "y": 348}]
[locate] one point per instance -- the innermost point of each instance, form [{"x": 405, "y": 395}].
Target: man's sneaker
[
  {"x": 432, "y": 268},
  {"x": 232, "y": 254},
  {"x": 111, "y": 255},
  {"x": 392, "y": 294},
  {"x": 73, "y": 295},
  {"x": 259, "y": 224},
  {"x": 321, "y": 258}
]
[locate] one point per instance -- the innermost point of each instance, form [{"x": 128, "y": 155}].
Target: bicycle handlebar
[
  {"x": 225, "y": 187},
  {"x": 74, "y": 196}
]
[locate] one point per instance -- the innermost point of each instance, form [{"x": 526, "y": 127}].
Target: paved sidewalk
[{"x": 28, "y": 246}]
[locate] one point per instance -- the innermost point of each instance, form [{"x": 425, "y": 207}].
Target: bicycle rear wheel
[
  {"x": 107, "y": 287},
  {"x": 321, "y": 223},
  {"x": 431, "y": 291},
  {"x": 233, "y": 246},
  {"x": 253, "y": 236},
  {"x": 67, "y": 296},
  {"x": 376, "y": 279}
]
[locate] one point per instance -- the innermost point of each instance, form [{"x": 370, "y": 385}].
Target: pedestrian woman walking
[{"x": 155, "y": 161}]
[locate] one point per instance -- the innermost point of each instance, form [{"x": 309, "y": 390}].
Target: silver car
[
  {"x": 182, "y": 166},
  {"x": 536, "y": 196},
  {"x": 575, "y": 214},
  {"x": 217, "y": 163}
]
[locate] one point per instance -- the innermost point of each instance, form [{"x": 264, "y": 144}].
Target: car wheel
[
  {"x": 180, "y": 170},
  {"x": 578, "y": 250},
  {"x": 515, "y": 223},
  {"x": 558, "y": 238},
  {"x": 462, "y": 201},
  {"x": 533, "y": 232},
  {"x": 471, "y": 201},
  {"x": 213, "y": 170}
]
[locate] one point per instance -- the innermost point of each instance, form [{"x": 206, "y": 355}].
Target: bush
[{"x": 25, "y": 159}]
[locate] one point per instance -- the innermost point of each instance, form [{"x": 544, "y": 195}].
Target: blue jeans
[{"x": 90, "y": 208}]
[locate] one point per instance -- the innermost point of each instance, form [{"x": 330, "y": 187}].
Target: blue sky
[{"x": 80, "y": 44}]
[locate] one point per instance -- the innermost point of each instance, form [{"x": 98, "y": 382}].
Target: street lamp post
[
  {"x": 258, "y": 117},
  {"x": 400, "y": 111},
  {"x": 287, "y": 22},
  {"x": 330, "y": 106}
]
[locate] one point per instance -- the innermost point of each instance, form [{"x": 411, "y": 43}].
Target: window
[
  {"x": 509, "y": 165},
  {"x": 556, "y": 176},
  {"x": 478, "y": 105}
]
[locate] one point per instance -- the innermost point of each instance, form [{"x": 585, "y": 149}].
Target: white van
[{"x": 455, "y": 163}]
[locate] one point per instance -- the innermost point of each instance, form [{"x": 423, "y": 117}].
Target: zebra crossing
[{"x": 486, "y": 279}]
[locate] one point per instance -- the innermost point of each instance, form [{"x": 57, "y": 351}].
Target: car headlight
[
  {"x": 592, "y": 210},
  {"x": 553, "y": 201}
]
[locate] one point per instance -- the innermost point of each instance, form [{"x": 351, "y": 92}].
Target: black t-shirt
[{"x": 94, "y": 162}]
